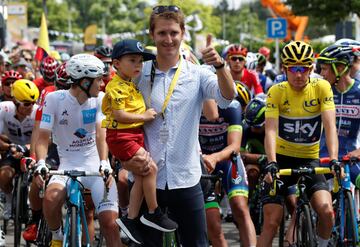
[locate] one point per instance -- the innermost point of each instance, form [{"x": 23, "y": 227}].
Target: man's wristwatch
[{"x": 221, "y": 65}]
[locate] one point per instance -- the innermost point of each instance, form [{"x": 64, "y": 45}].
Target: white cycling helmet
[
  {"x": 84, "y": 65},
  {"x": 251, "y": 61},
  {"x": 347, "y": 42}
]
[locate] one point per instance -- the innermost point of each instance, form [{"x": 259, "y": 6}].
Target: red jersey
[
  {"x": 251, "y": 80},
  {"x": 41, "y": 83},
  {"x": 41, "y": 101}
]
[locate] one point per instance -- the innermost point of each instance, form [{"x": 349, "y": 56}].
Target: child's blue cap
[{"x": 130, "y": 46}]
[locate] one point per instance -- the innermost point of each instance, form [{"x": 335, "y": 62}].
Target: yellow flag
[
  {"x": 43, "y": 41},
  {"x": 90, "y": 35}
]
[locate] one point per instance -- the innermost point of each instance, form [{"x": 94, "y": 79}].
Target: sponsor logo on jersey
[
  {"x": 64, "y": 113},
  {"x": 81, "y": 133},
  {"x": 270, "y": 106},
  {"x": 63, "y": 122},
  {"x": 350, "y": 111},
  {"x": 46, "y": 118},
  {"x": 89, "y": 116},
  {"x": 306, "y": 130},
  {"x": 328, "y": 100}
]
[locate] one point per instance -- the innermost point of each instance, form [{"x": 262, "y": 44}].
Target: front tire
[{"x": 304, "y": 228}]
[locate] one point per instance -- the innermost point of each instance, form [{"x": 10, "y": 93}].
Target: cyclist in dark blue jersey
[
  {"x": 336, "y": 62},
  {"x": 219, "y": 137}
]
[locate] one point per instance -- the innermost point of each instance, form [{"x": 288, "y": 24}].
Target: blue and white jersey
[
  {"x": 347, "y": 120},
  {"x": 74, "y": 129}
]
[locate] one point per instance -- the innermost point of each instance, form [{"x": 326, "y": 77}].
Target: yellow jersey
[
  {"x": 121, "y": 95},
  {"x": 299, "y": 114}
]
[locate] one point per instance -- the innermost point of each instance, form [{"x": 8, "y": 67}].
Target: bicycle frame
[
  {"x": 303, "y": 203},
  {"x": 342, "y": 188},
  {"x": 75, "y": 201}
]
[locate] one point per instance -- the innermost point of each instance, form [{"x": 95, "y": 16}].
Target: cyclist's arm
[
  {"x": 34, "y": 138},
  {"x": 101, "y": 142},
  {"x": 210, "y": 110},
  {"x": 42, "y": 144},
  {"x": 234, "y": 141},
  {"x": 354, "y": 153},
  {"x": 332, "y": 143},
  {"x": 271, "y": 126}
]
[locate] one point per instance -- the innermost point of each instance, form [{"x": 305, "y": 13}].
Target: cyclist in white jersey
[
  {"x": 16, "y": 123},
  {"x": 74, "y": 118}
]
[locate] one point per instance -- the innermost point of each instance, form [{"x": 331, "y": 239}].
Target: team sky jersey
[
  {"x": 299, "y": 115},
  {"x": 251, "y": 80},
  {"x": 18, "y": 132},
  {"x": 73, "y": 127},
  {"x": 252, "y": 142},
  {"x": 347, "y": 120},
  {"x": 213, "y": 135}
]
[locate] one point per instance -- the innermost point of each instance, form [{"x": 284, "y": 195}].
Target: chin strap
[
  {"x": 337, "y": 74},
  {"x": 87, "y": 89}
]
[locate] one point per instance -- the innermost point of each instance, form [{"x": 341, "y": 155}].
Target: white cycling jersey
[
  {"x": 74, "y": 129},
  {"x": 18, "y": 132}
]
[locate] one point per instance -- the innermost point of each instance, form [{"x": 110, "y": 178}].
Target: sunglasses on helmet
[
  {"x": 235, "y": 58},
  {"x": 296, "y": 69},
  {"x": 165, "y": 8}
]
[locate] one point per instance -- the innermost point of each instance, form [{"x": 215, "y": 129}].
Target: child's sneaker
[
  {"x": 158, "y": 220},
  {"x": 130, "y": 228}
]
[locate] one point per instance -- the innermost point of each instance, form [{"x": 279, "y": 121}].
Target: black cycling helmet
[
  {"x": 255, "y": 112},
  {"x": 103, "y": 53},
  {"x": 337, "y": 54}
]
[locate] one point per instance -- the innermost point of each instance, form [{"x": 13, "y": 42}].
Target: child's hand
[{"x": 149, "y": 115}]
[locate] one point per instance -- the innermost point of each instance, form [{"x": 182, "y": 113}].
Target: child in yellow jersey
[{"x": 126, "y": 113}]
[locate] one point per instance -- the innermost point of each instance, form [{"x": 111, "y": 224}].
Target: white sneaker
[
  {"x": 7, "y": 210},
  {"x": 2, "y": 238}
]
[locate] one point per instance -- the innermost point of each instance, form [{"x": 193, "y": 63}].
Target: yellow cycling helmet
[
  {"x": 25, "y": 91},
  {"x": 297, "y": 53},
  {"x": 244, "y": 95}
]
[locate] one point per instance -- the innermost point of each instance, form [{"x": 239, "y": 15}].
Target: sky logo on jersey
[
  {"x": 89, "y": 116},
  {"x": 46, "y": 118},
  {"x": 306, "y": 131},
  {"x": 81, "y": 133}
]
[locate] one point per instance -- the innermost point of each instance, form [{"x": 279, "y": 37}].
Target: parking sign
[{"x": 276, "y": 28}]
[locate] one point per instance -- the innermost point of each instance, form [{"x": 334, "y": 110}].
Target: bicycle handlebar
[
  {"x": 74, "y": 173},
  {"x": 304, "y": 171},
  {"x": 345, "y": 158}
]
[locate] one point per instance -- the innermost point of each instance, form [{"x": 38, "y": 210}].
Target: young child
[{"x": 126, "y": 113}]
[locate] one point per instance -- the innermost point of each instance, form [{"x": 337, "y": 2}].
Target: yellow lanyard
[{"x": 171, "y": 88}]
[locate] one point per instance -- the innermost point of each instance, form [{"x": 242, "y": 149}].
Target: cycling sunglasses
[
  {"x": 26, "y": 103},
  {"x": 165, "y": 8},
  {"x": 235, "y": 58},
  {"x": 295, "y": 69}
]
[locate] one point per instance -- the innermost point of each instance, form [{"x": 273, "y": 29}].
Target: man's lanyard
[{"x": 171, "y": 88}]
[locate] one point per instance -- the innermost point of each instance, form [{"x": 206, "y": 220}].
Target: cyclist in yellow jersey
[{"x": 296, "y": 112}]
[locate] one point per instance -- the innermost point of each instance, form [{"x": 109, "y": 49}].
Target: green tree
[
  {"x": 57, "y": 17},
  {"x": 327, "y": 11}
]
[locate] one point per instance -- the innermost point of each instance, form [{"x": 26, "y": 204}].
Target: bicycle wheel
[
  {"x": 282, "y": 230},
  {"x": 74, "y": 238},
  {"x": 350, "y": 224},
  {"x": 304, "y": 228},
  {"x": 18, "y": 209},
  {"x": 43, "y": 238}
]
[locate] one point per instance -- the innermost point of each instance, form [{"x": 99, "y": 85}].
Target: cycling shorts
[
  {"x": 234, "y": 181},
  {"x": 96, "y": 186},
  {"x": 124, "y": 143},
  {"x": 313, "y": 182}
]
